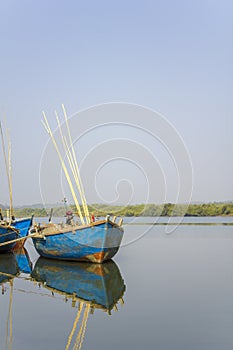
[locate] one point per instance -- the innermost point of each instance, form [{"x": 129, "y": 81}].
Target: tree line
[{"x": 167, "y": 209}]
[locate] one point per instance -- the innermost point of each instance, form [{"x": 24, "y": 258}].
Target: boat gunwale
[
  {"x": 23, "y": 219},
  {"x": 71, "y": 228}
]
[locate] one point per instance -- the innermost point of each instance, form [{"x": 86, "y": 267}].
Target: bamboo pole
[
  {"x": 1, "y": 215},
  {"x": 9, "y": 320},
  {"x": 72, "y": 166},
  {"x": 84, "y": 203},
  {"x": 7, "y": 167},
  {"x": 84, "y": 327},
  {"x": 11, "y": 327},
  {"x": 19, "y": 239},
  {"x": 10, "y": 173},
  {"x": 47, "y": 127},
  {"x": 82, "y": 193},
  {"x": 81, "y": 333},
  {"x": 77, "y": 340},
  {"x": 7, "y": 274},
  {"x": 74, "y": 327}
]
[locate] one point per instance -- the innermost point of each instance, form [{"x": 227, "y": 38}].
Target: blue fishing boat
[
  {"x": 96, "y": 242},
  {"x": 10, "y": 228},
  {"x": 101, "y": 286}
]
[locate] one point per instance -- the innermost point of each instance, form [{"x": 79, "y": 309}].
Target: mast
[{"x": 7, "y": 161}]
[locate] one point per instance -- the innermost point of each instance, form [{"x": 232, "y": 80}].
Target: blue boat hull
[
  {"x": 7, "y": 234},
  {"x": 100, "y": 285},
  {"x": 96, "y": 242},
  {"x": 23, "y": 225},
  {"x": 19, "y": 228}
]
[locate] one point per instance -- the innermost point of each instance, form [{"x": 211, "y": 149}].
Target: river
[{"x": 170, "y": 287}]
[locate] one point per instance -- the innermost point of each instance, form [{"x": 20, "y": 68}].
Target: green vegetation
[{"x": 168, "y": 209}]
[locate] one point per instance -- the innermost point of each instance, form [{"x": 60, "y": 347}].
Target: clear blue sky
[{"x": 172, "y": 56}]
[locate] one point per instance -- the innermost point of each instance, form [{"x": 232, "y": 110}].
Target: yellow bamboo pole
[
  {"x": 11, "y": 328},
  {"x": 71, "y": 164},
  {"x": 77, "y": 340},
  {"x": 18, "y": 239},
  {"x": 7, "y": 168},
  {"x": 10, "y": 173},
  {"x": 47, "y": 127},
  {"x": 81, "y": 333},
  {"x": 74, "y": 326},
  {"x": 9, "y": 320},
  {"x": 7, "y": 274},
  {"x": 76, "y": 164},
  {"x": 85, "y": 326}
]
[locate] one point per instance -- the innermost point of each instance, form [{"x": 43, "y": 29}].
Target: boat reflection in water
[
  {"x": 101, "y": 285},
  {"x": 91, "y": 285},
  {"x": 23, "y": 260},
  {"x": 8, "y": 268}
]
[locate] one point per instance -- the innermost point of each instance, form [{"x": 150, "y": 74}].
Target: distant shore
[{"x": 144, "y": 210}]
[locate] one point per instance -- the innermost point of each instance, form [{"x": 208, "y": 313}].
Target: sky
[{"x": 173, "y": 57}]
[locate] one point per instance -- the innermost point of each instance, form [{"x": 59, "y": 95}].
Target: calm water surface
[{"x": 177, "y": 291}]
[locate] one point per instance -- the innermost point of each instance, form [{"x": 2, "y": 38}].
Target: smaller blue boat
[
  {"x": 96, "y": 242},
  {"x": 9, "y": 232},
  {"x": 11, "y": 229}
]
